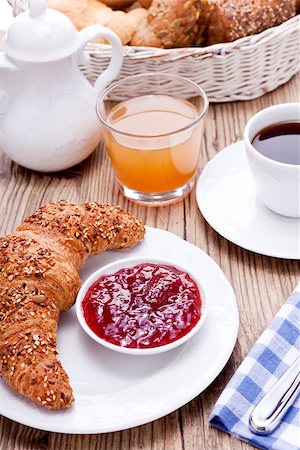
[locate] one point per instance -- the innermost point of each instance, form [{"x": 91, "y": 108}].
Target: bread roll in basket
[{"x": 243, "y": 69}]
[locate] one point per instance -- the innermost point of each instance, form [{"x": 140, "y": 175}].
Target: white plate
[
  {"x": 114, "y": 391},
  {"x": 226, "y": 196}
]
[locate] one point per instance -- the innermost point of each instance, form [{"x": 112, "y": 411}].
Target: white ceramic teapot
[{"x": 48, "y": 119}]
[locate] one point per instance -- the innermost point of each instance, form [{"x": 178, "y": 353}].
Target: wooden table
[{"x": 261, "y": 283}]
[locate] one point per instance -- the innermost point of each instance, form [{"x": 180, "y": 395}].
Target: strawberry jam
[{"x": 145, "y": 306}]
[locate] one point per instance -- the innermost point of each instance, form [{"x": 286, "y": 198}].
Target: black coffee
[{"x": 280, "y": 142}]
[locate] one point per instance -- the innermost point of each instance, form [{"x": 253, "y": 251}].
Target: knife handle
[{"x": 270, "y": 410}]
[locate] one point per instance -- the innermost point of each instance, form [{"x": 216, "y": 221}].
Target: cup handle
[{"x": 114, "y": 67}]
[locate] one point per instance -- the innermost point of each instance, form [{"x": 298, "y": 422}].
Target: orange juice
[{"x": 150, "y": 154}]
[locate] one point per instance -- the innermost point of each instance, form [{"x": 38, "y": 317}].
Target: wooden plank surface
[{"x": 261, "y": 283}]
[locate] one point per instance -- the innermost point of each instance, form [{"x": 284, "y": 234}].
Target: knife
[{"x": 268, "y": 413}]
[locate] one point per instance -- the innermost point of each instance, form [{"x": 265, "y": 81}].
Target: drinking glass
[{"x": 152, "y": 126}]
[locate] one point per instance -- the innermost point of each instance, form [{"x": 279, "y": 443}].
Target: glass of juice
[{"x": 152, "y": 126}]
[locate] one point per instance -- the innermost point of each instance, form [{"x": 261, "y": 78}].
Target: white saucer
[
  {"x": 115, "y": 391},
  {"x": 226, "y": 196}
]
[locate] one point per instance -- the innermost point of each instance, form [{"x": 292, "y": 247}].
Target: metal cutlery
[{"x": 269, "y": 412}]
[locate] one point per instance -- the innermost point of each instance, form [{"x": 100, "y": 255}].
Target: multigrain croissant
[{"x": 39, "y": 265}]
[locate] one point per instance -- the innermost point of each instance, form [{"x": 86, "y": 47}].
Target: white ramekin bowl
[{"x": 127, "y": 263}]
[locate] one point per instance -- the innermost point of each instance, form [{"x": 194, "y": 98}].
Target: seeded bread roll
[
  {"x": 231, "y": 20},
  {"x": 173, "y": 23},
  {"x": 39, "y": 277}
]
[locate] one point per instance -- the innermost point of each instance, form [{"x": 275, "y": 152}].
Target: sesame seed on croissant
[{"x": 39, "y": 265}]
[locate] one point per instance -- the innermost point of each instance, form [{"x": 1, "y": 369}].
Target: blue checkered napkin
[{"x": 276, "y": 349}]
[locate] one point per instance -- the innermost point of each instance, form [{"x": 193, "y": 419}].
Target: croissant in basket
[{"x": 39, "y": 265}]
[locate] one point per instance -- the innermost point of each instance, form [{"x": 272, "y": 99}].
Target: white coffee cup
[{"x": 277, "y": 183}]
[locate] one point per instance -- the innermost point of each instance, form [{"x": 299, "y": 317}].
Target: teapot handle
[{"x": 114, "y": 67}]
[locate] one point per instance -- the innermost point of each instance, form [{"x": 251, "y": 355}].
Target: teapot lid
[{"x": 40, "y": 35}]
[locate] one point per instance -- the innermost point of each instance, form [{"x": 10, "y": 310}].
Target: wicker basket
[{"x": 239, "y": 70}]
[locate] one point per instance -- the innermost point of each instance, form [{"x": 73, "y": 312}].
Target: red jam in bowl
[{"x": 145, "y": 306}]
